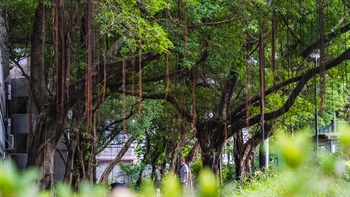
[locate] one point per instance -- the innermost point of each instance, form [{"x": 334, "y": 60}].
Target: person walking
[
  {"x": 156, "y": 179},
  {"x": 184, "y": 174}
]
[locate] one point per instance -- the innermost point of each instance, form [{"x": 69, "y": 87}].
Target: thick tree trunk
[
  {"x": 213, "y": 134},
  {"x": 211, "y": 157},
  {"x": 243, "y": 158},
  {"x": 42, "y": 145},
  {"x": 212, "y": 144},
  {"x": 244, "y": 151},
  {"x": 42, "y": 148}
]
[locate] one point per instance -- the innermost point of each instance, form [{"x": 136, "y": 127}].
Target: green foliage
[
  {"x": 132, "y": 172},
  {"x": 147, "y": 189},
  {"x": 17, "y": 184},
  {"x": 155, "y": 6},
  {"x": 172, "y": 186},
  {"x": 228, "y": 173},
  {"x": 85, "y": 189},
  {"x": 295, "y": 152},
  {"x": 157, "y": 25},
  {"x": 208, "y": 185},
  {"x": 136, "y": 125},
  {"x": 302, "y": 174},
  {"x": 48, "y": 3},
  {"x": 18, "y": 20},
  {"x": 196, "y": 168},
  {"x": 127, "y": 19},
  {"x": 344, "y": 140},
  {"x": 347, "y": 171}
]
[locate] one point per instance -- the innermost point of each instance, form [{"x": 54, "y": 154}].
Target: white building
[{"x": 110, "y": 152}]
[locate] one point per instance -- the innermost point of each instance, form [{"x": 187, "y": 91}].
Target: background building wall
[
  {"x": 4, "y": 73},
  {"x": 109, "y": 153}
]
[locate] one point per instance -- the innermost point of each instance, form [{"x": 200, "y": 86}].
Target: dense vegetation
[
  {"x": 298, "y": 175},
  {"x": 182, "y": 76}
]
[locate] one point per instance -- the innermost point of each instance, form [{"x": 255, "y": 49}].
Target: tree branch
[
  {"x": 298, "y": 88},
  {"x": 327, "y": 38},
  {"x": 226, "y": 94},
  {"x": 215, "y": 22}
]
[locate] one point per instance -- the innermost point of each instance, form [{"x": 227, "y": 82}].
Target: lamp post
[
  {"x": 263, "y": 153},
  {"x": 316, "y": 56}
]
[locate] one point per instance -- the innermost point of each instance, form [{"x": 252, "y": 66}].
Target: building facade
[
  {"x": 6, "y": 140},
  {"x": 109, "y": 153}
]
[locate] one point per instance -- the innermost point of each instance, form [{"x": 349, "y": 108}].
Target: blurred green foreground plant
[
  {"x": 15, "y": 183},
  {"x": 302, "y": 172}
]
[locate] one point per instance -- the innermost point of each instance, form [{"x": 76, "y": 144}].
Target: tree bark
[
  {"x": 42, "y": 149},
  {"x": 243, "y": 153},
  {"x": 212, "y": 139},
  {"x": 175, "y": 154},
  {"x": 191, "y": 156},
  {"x": 243, "y": 161},
  {"x": 42, "y": 145}
]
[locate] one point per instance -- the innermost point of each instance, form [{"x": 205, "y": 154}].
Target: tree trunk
[
  {"x": 212, "y": 158},
  {"x": 243, "y": 158},
  {"x": 145, "y": 156},
  {"x": 191, "y": 156},
  {"x": 86, "y": 152},
  {"x": 175, "y": 154},
  {"x": 42, "y": 145},
  {"x": 42, "y": 148},
  {"x": 244, "y": 151},
  {"x": 49, "y": 126},
  {"x": 81, "y": 159},
  {"x": 69, "y": 170},
  {"x": 212, "y": 143}
]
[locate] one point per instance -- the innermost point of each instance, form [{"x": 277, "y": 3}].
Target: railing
[
  {"x": 331, "y": 128},
  {"x": 326, "y": 129}
]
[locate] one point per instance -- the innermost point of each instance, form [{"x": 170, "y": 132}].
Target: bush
[
  {"x": 228, "y": 173},
  {"x": 196, "y": 168}
]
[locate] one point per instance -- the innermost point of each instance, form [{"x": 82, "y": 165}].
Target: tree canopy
[{"x": 201, "y": 60}]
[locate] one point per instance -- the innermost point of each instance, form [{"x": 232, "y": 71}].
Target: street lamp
[{"x": 316, "y": 56}]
